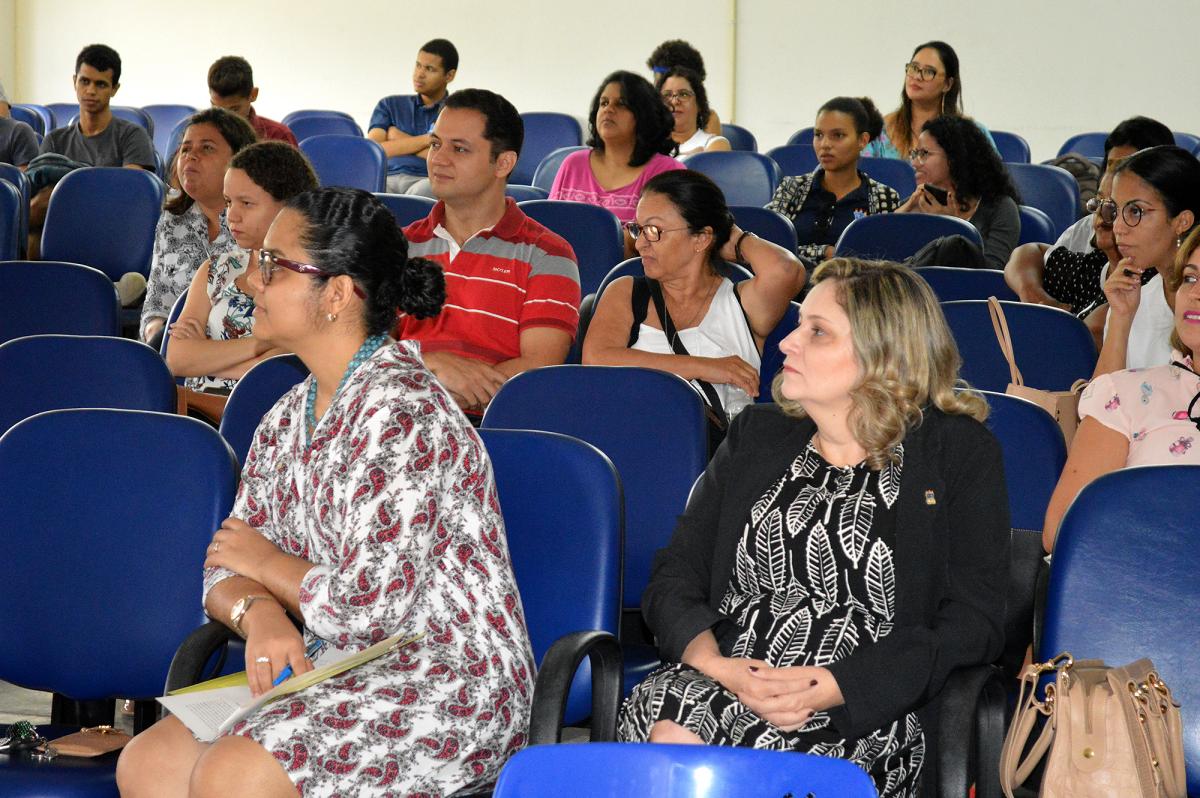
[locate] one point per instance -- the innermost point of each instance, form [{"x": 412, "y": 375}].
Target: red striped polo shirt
[{"x": 509, "y": 278}]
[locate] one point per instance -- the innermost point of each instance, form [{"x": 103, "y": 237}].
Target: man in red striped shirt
[{"x": 512, "y": 286}]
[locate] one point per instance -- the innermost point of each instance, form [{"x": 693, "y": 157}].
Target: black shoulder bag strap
[
  {"x": 710, "y": 394},
  {"x": 639, "y": 304}
]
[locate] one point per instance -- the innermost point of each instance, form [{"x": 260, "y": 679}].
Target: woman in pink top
[
  {"x": 1148, "y": 416},
  {"x": 629, "y": 133}
]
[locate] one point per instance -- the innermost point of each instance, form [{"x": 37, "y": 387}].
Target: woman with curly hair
[
  {"x": 629, "y": 136},
  {"x": 845, "y": 550},
  {"x": 678, "y": 53},
  {"x": 682, "y": 89},
  {"x": 959, "y": 174}
]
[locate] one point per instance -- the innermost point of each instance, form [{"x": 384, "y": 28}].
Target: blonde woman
[{"x": 845, "y": 550}]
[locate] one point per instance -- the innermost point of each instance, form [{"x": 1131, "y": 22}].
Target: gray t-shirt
[
  {"x": 120, "y": 144},
  {"x": 18, "y": 142}
]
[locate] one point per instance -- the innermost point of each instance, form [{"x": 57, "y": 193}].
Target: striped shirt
[{"x": 514, "y": 276}]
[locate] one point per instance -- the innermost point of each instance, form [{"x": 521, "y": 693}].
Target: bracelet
[{"x": 737, "y": 248}]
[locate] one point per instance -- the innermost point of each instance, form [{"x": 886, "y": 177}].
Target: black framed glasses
[
  {"x": 915, "y": 70},
  {"x": 683, "y": 95},
  {"x": 652, "y": 232},
  {"x": 269, "y": 262},
  {"x": 1131, "y": 213}
]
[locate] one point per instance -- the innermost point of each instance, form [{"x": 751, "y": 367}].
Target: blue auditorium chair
[
  {"x": 739, "y": 137},
  {"x": 344, "y": 160},
  {"x": 255, "y": 393},
  {"x": 766, "y": 224},
  {"x": 950, "y": 283},
  {"x": 46, "y": 297},
  {"x": 15, "y": 176},
  {"x": 1050, "y": 189},
  {"x": 593, "y": 232},
  {"x": 525, "y": 193},
  {"x": 306, "y": 124},
  {"x": 543, "y": 176},
  {"x": 1187, "y": 141},
  {"x": 64, "y": 113},
  {"x": 38, "y": 117},
  {"x": 745, "y": 178},
  {"x": 166, "y": 117},
  {"x": 1090, "y": 145},
  {"x": 407, "y": 208},
  {"x": 545, "y": 132},
  {"x": 896, "y": 236},
  {"x": 772, "y": 357},
  {"x": 794, "y": 159},
  {"x": 1013, "y": 148},
  {"x": 11, "y": 216},
  {"x": 306, "y": 112},
  {"x": 1036, "y": 226},
  {"x": 802, "y": 137},
  {"x": 175, "y": 139},
  {"x": 894, "y": 172},
  {"x": 129, "y": 113}
]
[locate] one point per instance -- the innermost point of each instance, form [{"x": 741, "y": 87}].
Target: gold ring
[{"x": 216, "y": 546}]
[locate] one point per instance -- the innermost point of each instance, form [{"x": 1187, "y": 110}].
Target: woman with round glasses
[
  {"x": 677, "y": 52},
  {"x": 932, "y": 88},
  {"x": 1146, "y": 416},
  {"x": 683, "y": 92},
  {"x": 367, "y": 509},
  {"x": 212, "y": 342},
  {"x": 685, "y": 316},
  {"x": 959, "y": 174},
  {"x": 1155, "y": 202}
]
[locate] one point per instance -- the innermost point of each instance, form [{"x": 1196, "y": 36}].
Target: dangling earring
[{"x": 331, "y": 316}]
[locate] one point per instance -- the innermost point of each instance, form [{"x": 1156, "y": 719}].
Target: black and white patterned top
[{"x": 793, "y": 191}]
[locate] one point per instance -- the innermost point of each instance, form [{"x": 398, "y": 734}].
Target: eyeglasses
[
  {"x": 915, "y": 70},
  {"x": 921, "y": 155},
  {"x": 269, "y": 262},
  {"x": 683, "y": 95},
  {"x": 652, "y": 232},
  {"x": 1107, "y": 209}
]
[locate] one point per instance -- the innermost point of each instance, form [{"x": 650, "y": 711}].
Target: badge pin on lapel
[{"x": 930, "y": 499}]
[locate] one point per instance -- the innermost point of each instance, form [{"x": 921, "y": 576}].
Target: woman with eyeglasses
[
  {"x": 1155, "y": 202},
  {"x": 959, "y": 174},
  {"x": 1146, "y": 416},
  {"x": 685, "y": 316},
  {"x": 367, "y": 509},
  {"x": 683, "y": 92},
  {"x": 822, "y": 204},
  {"x": 932, "y": 88},
  {"x": 212, "y": 341}
]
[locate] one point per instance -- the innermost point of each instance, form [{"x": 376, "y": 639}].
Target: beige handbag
[
  {"x": 1063, "y": 405},
  {"x": 1108, "y": 732}
]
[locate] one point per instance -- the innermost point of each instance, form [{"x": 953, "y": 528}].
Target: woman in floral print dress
[{"x": 367, "y": 509}]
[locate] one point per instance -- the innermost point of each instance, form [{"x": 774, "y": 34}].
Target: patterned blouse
[
  {"x": 232, "y": 313},
  {"x": 793, "y": 191},
  {"x": 180, "y": 245}
]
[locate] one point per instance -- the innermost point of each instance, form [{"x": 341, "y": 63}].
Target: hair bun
[{"x": 422, "y": 287}]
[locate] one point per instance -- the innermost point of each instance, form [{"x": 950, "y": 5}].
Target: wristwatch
[{"x": 240, "y": 607}]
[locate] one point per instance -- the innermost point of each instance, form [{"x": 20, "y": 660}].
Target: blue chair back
[
  {"x": 794, "y": 159},
  {"x": 173, "y": 141},
  {"x": 15, "y": 176},
  {"x": 599, "y": 770},
  {"x": 896, "y": 236},
  {"x": 632, "y": 267},
  {"x": 766, "y": 224},
  {"x": 772, "y": 357},
  {"x": 44, "y": 297},
  {"x": 1034, "y": 454},
  {"x": 1090, "y": 145},
  {"x": 593, "y": 232},
  {"x": 525, "y": 193},
  {"x": 104, "y": 217},
  {"x": 306, "y": 112},
  {"x": 545, "y": 132},
  {"x": 38, "y": 117},
  {"x": 76, "y": 514},
  {"x": 11, "y": 204},
  {"x": 344, "y": 160},
  {"x": 166, "y": 117},
  {"x": 1050, "y": 189},
  {"x": 407, "y": 208},
  {"x": 568, "y": 583},
  {"x": 1052, "y": 348},
  {"x": 1036, "y": 226},
  {"x": 650, "y": 424},
  {"x": 52, "y": 372},
  {"x": 745, "y": 178},
  {"x": 63, "y": 113},
  {"x": 950, "y": 283},
  {"x": 893, "y": 172},
  {"x": 319, "y": 123},
  {"x": 130, "y": 114},
  {"x": 1187, "y": 141},
  {"x": 1123, "y": 583},
  {"x": 172, "y": 317},
  {"x": 543, "y": 176},
  {"x": 255, "y": 393},
  {"x": 1012, "y": 147},
  {"x": 739, "y": 137},
  {"x": 802, "y": 137}
]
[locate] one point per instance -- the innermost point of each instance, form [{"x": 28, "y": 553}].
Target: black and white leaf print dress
[{"x": 813, "y": 579}]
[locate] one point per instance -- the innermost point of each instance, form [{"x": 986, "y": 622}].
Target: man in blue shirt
[{"x": 401, "y": 123}]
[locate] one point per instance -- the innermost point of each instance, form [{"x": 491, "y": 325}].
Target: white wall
[{"x": 1043, "y": 70}]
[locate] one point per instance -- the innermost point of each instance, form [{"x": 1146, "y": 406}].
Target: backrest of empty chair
[
  {"x": 1090, "y": 145},
  {"x": 950, "y": 283},
  {"x": 323, "y": 124},
  {"x": 896, "y": 236},
  {"x": 1052, "y": 348},
  {"x": 545, "y": 132},
  {"x": 802, "y": 137},
  {"x": 893, "y": 172},
  {"x": 40, "y": 297},
  {"x": 543, "y": 176},
  {"x": 166, "y": 117},
  {"x": 593, "y": 232},
  {"x": 63, "y": 112},
  {"x": 175, "y": 139},
  {"x": 794, "y": 159},
  {"x": 135, "y": 115},
  {"x": 255, "y": 393},
  {"x": 1123, "y": 583},
  {"x": 11, "y": 202},
  {"x": 305, "y": 112},
  {"x": 1036, "y": 226},
  {"x": 1013, "y": 148},
  {"x": 31, "y": 116},
  {"x": 650, "y": 424},
  {"x": 104, "y": 217},
  {"x": 739, "y": 137},
  {"x": 1050, "y": 189},
  {"x": 52, "y": 372},
  {"x": 134, "y": 493},
  {"x": 766, "y": 224},
  {"x": 351, "y": 161},
  {"x": 525, "y": 193},
  {"x": 407, "y": 208},
  {"x": 772, "y": 357},
  {"x": 15, "y": 176},
  {"x": 1187, "y": 141},
  {"x": 745, "y": 178}
]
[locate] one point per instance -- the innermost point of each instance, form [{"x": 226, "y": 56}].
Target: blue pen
[{"x": 312, "y": 651}]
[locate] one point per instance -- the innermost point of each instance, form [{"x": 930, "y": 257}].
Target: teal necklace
[{"x": 365, "y": 351}]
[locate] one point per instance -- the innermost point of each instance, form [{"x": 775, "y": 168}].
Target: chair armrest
[
  {"x": 554, "y": 683},
  {"x": 971, "y": 732},
  {"x": 187, "y": 666},
  {"x": 1039, "y": 607}
]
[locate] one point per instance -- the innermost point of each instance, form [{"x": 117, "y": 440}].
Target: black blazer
[{"x": 952, "y": 539}]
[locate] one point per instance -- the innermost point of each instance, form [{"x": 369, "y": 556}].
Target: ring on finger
[
  {"x": 216, "y": 546},
  {"x": 263, "y": 660}
]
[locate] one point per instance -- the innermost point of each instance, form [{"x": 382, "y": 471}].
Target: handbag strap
[
  {"x": 1014, "y": 771},
  {"x": 1000, "y": 325},
  {"x": 710, "y": 393}
]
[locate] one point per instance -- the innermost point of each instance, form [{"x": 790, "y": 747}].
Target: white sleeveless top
[
  {"x": 722, "y": 332},
  {"x": 699, "y": 141}
]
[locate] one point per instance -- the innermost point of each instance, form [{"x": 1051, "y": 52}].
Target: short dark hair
[
  {"x": 652, "y": 118},
  {"x": 867, "y": 118},
  {"x": 234, "y": 129},
  {"x": 697, "y": 83},
  {"x": 277, "y": 168},
  {"x": 100, "y": 57},
  {"x": 675, "y": 52},
  {"x": 349, "y": 231},
  {"x": 231, "y": 76},
  {"x": 1138, "y": 132},
  {"x": 701, "y": 204},
  {"x": 975, "y": 167},
  {"x": 1171, "y": 171},
  {"x": 502, "y": 125},
  {"x": 444, "y": 50}
]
